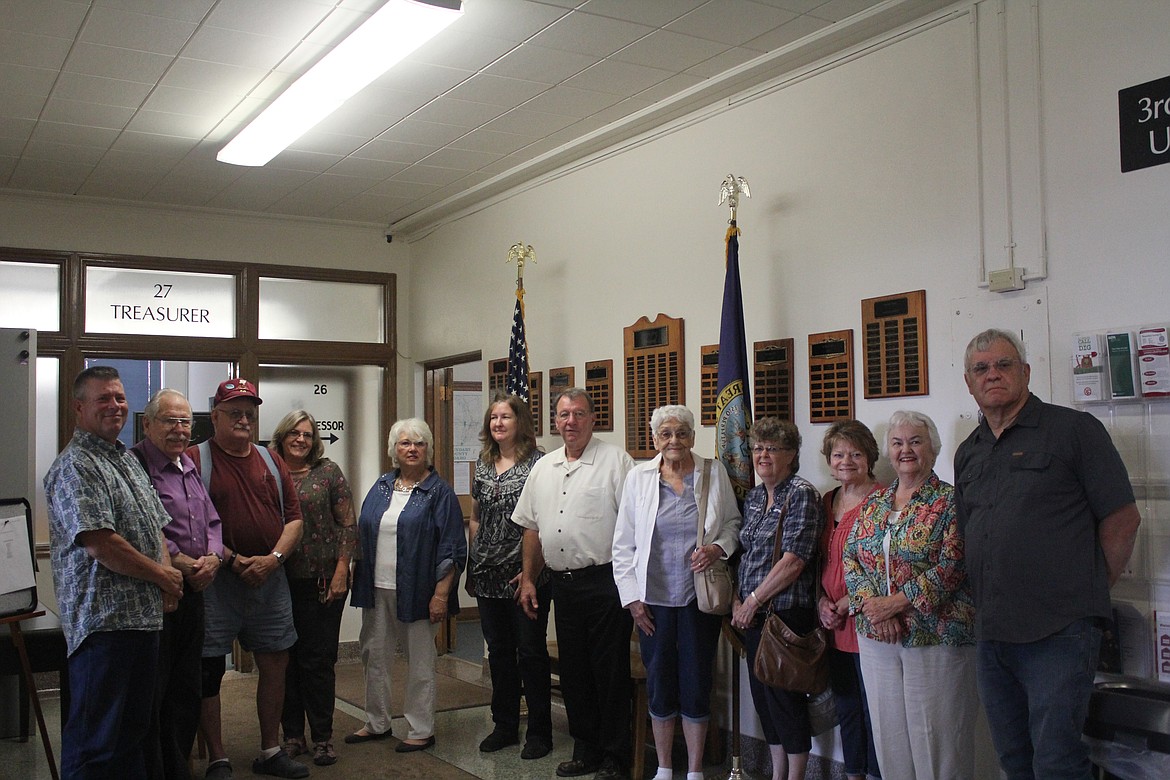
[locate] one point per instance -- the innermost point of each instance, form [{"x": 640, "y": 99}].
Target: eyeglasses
[
  {"x": 175, "y": 422},
  {"x": 407, "y": 444},
  {"x": 666, "y": 434},
  {"x": 239, "y": 414},
  {"x": 1002, "y": 365},
  {"x": 771, "y": 449},
  {"x": 297, "y": 435},
  {"x": 576, "y": 414}
]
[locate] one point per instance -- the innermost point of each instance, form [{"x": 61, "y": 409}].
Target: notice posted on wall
[{"x": 1162, "y": 645}]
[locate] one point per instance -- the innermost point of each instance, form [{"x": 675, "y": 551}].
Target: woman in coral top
[{"x": 851, "y": 451}]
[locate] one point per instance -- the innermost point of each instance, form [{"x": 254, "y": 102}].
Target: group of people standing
[{"x": 931, "y": 593}]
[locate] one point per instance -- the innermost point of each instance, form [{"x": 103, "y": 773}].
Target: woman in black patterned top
[{"x": 517, "y": 652}]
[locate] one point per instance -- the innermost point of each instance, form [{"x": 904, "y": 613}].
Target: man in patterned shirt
[{"x": 113, "y": 579}]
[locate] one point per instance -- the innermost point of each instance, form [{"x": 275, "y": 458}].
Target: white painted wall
[{"x": 904, "y": 169}]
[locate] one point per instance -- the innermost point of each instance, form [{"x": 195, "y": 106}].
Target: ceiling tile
[
  {"x": 428, "y": 174},
  {"x": 295, "y": 20},
  {"x": 69, "y": 153},
  {"x": 122, "y": 29},
  {"x": 112, "y": 182},
  {"x": 455, "y": 50},
  {"x": 618, "y": 78},
  {"x": 49, "y": 175},
  {"x": 497, "y": 90},
  {"x": 237, "y": 48},
  {"x": 185, "y": 11},
  {"x": 368, "y": 207},
  {"x": 481, "y": 140},
  {"x": 655, "y": 13},
  {"x": 460, "y": 159},
  {"x": 422, "y": 77},
  {"x": 531, "y": 123},
  {"x": 730, "y": 21},
  {"x": 514, "y": 20},
  {"x": 75, "y": 112},
  {"x": 194, "y": 102},
  {"x": 787, "y": 33},
  {"x": 78, "y": 135},
  {"x": 669, "y": 88},
  {"x": 56, "y": 18},
  {"x": 189, "y": 73},
  {"x": 327, "y": 143},
  {"x": 674, "y": 51},
  {"x": 116, "y": 63},
  {"x": 95, "y": 89},
  {"x": 163, "y": 123},
  {"x": 537, "y": 63},
  {"x": 302, "y": 160},
  {"x": 393, "y": 151},
  {"x": 17, "y": 131},
  {"x": 36, "y": 51},
  {"x": 571, "y": 101},
  {"x": 434, "y": 134},
  {"x": 839, "y": 10},
  {"x": 20, "y": 106},
  {"x": 21, "y": 80},
  {"x": 723, "y": 62},
  {"x": 461, "y": 113},
  {"x": 588, "y": 34},
  {"x": 366, "y": 168}
]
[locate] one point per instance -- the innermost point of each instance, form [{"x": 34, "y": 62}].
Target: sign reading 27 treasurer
[{"x": 159, "y": 303}]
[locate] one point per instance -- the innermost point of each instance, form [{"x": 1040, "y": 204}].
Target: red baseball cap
[{"x": 236, "y": 388}]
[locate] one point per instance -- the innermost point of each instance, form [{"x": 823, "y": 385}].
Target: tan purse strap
[
  {"x": 706, "y": 476},
  {"x": 780, "y": 527}
]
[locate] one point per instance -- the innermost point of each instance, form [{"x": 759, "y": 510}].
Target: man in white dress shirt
[{"x": 568, "y": 509}]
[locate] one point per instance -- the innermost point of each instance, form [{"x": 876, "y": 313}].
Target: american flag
[{"x": 516, "y": 382}]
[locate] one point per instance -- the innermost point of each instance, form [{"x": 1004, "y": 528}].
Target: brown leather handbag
[{"x": 786, "y": 659}]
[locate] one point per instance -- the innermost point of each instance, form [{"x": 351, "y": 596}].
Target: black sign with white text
[{"x": 1144, "y": 119}]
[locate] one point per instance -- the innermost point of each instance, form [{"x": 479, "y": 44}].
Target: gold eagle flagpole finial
[
  {"x": 733, "y": 186},
  {"x": 520, "y": 254}
]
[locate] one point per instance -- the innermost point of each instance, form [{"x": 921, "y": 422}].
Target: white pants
[
  {"x": 379, "y": 637},
  {"x": 923, "y": 702}
]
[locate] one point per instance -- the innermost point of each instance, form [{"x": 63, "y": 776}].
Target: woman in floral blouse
[
  {"x": 915, "y": 619},
  {"x": 517, "y": 649},
  {"x": 318, "y": 579}
]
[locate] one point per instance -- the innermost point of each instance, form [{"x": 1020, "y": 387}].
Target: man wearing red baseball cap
[{"x": 249, "y": 600}]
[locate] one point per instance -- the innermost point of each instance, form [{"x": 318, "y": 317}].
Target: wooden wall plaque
[
  {"x": 830, "y": 376},
  {"x": 558, "y": 379},
  {"x": 772, "y": 371},
  {"x": 654, "y": 376},
  {"x": 895, "y": 345},
  {"x": 497, "y": 379},
  {"x": 708, "y": 384},
  {"x": 599, "y": 386}
]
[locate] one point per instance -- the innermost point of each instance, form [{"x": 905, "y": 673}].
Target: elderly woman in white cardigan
[{"x": 655, "y": 557}]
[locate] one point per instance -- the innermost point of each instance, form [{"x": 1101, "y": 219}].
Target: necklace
[{"x": 402, "y": 487}]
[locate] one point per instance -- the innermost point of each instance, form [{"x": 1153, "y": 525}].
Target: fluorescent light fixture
[{"x": 384, "y": 40}]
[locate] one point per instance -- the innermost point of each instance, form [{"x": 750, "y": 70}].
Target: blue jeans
[
  {"x": 679, "y": 661},
  {"x": 857, "y": 745},
  {"x": 1037, "y": 697},
  {"x": 112, "y": 679}
]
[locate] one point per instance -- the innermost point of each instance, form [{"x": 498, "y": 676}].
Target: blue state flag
[
  {"x": 516, "y": 381},
  {"x": 732, "y": 402}
]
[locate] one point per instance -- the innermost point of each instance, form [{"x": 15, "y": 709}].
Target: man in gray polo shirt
[{"x": 1049, "y": 521}]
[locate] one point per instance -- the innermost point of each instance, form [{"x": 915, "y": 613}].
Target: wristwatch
[{"x": 279, "y": 556}]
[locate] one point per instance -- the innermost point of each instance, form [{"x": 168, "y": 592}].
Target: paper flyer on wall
[{"x": 16, "y": 569}]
